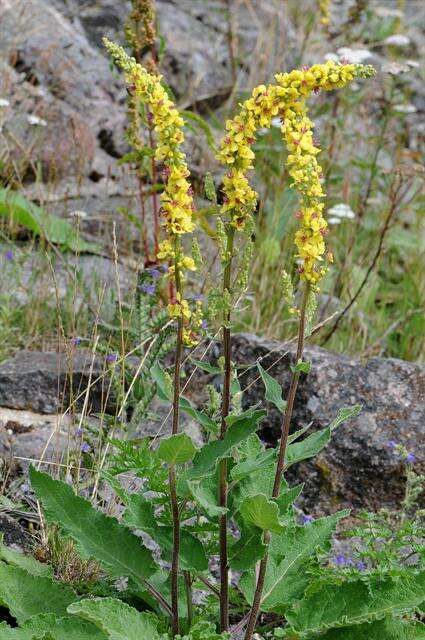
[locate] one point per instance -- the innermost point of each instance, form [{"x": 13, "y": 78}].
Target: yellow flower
[{"x": 287, "y": 101}]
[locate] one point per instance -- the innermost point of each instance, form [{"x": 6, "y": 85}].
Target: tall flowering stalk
[
  {"x": 177, "y": 209},
  {"x": 285, "y": 100}
]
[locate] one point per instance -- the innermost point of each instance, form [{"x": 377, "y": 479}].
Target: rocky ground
[{"x": 358, "y": 469}]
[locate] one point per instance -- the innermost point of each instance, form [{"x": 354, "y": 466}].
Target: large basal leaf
[
  {"x": 140, "y": 514},
  {"x": 273, "y": 389},
  {"x": 28, "y": 563},
  {"x": 27, "y": 214},
  {"x": 315, "y": 442},
  {"x": 287, "y": 554},
  {"x": 177, "y": 449},
  {"x": 239, "y": 428},
  {"x": 26, "y": 595},
  {"x": 116, "y": 619},
  {"x": 259, "y": 511},
  {"x": 96, "y": 535},
  {"x": 332, "y": 605},
  {"x": 387, "y": 629},
  {"x": 67, "y": 628}
]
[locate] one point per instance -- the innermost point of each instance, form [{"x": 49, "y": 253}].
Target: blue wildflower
[
  {"x": 9, "y": 255},
  {"x": 306, "y": 519},
  {"x": 111, "y": 357},
  {"x": 411, "y": 458},
  {"x": 148, "y": 288},
  {"x": 85, "y": 447}
]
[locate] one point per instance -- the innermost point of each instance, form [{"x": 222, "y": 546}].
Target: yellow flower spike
[
  {"x": 287, "y": 101},
  {"x": 176, "y": 199}
]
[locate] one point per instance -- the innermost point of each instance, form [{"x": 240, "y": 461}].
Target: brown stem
[
  {"x": 225, "y": 408},
  {"x": 256, "y": 604},
  {"x": 172, "y": 470}
]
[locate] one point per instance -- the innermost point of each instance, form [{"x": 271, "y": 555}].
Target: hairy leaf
[
  {"x": 248, "y": 550},
  {"x": 261, "y": 512},
  {"x": 239, "y": 428},
  {"x": 333, "y": 605},
  {"x": 63, "y": 628},
  {"x": 246, "y": 467},
  {"x": 116, "y": 619},
  {"x": 204, "y": 491},
  {"x": 273, "y": 389},
  {"x": 140, "y": 514},
  {"x": 387, "y": 629},
  {"x": 177, "y": 449},
  {"x": 97, "y": 536},
  {"x": 315, "y": 442},
  {"x": 287, "y": 554},
  {"x": 26, "y": 595},
  {"x": 28, "y": 563}
]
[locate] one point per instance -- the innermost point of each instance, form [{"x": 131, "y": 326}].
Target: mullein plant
[
  {"x": 177, "y": 212},
  {"x": 285, "y": 100}
]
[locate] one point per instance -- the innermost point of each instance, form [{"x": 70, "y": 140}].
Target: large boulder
[{"x": 358, "y": 468}]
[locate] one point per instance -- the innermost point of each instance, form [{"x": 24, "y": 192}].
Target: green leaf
[
  {"x": 248, "y": 550},
  {"x": 28, "y": 563},
  {"x": 288, "y": 497},
  {"x": 57, "y": 231},
  {"x": 165, "y": 390},
  {"x": 287, "y": 554},
  {"x": 302, "y": 367},
  {"x": 205, "y": 421},
  {"x": 26, "y": 595},
  {"x": 63, "y": 628},
  {"x": 206, "y": 366},
  {"x": 315, "y": 442},
  {"x": 239, "y": 428},
  {"x": 387, "y": 629},
  {"x": 96, "y": 535},
  {"x": 341, "y": 605},
  {"x": 246, "y": 467},
  {"x": 177, "y": 449},
  {"x": 273, "y": 389},
  {"x": 261, "y": 512},
  {"x": 140, "y": 514},
  {"x": 116, "y": 618},
  {"x": 204, "y": 491},
  {"x": 9, "y": 633}
]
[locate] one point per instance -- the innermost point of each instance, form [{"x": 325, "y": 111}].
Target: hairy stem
[
  {"x": 189, "y": 599},
  {"x": 225, "y": 408},
  {"x": 172, "y": 470},
  {"x": 256, "y": 604}
]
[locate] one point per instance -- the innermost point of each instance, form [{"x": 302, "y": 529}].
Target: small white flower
[
  {"x": 276, "y": 122},
  {"x": 341, "y": 210},
  {"x": 413, "y": 63},
  {"x": 334, "y": 220},
  {"x": 4, "y": 103},
  {"x": 405, "y": 108},
  {"x": 35, "y": 120},
  {"x": 387, "y": 12},
  {"x": 354, "y": 56},
  {"x": 398, "y": 39}
]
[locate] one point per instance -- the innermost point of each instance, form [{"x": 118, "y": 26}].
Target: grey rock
[
  {"x": 15, "y": 535},
  {"x": 48, "y": 382},
  {"x": 357, "y": 469}
]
